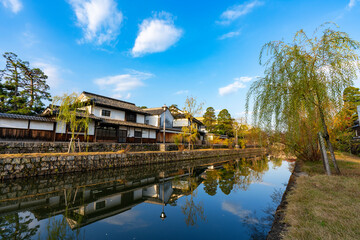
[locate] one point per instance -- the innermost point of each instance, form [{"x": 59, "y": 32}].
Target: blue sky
[{"x": 158, "y": 52}]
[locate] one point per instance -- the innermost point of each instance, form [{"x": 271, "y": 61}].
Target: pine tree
[
  {"x": 13, "y": 83},
  {"x": 35, "y": 88},
  {"x": 22, "y": 88},
  {"x": 224, "y": 126},
  {"x": 210, "y": 119}
]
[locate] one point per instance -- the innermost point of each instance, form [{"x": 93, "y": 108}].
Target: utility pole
[{"x": 164, "y": 107}]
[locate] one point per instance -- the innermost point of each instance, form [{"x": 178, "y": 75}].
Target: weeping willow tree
[
  {"x": 73, "y": 114},
  {"x": 302, "y": 86}
]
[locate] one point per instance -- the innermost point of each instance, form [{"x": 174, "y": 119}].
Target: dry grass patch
[{"x": 325, "y": 207}]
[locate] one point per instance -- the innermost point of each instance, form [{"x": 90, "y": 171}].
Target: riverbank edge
[
  {"x": 30, "y": 166},
  {"x": 279, "y": 227}
]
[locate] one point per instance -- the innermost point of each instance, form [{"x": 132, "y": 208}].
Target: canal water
[{"x": 228, "y": 198}]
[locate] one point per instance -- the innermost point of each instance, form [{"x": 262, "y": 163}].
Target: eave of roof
[
  {"x": 129, "y": 124},
  {"x": 25, "y": 117},
  {"x": 100, "y": 100},
  {"x": 154, "y": 111}
]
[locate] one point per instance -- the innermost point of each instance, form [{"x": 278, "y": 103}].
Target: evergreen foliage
[
  {"x": 22, "y": 88},
  {"x": 224, "y": 123},
  {"x": 210, "y": 119}
]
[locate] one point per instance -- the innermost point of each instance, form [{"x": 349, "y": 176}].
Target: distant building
[{"x": 174, "y": 122}]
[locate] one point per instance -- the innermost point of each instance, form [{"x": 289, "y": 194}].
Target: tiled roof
[
  {"x": 182, "y": 116},
  {"x": 154, "y": 111},
  {"x": 112, "y": 102},
  {"x": 130, "y": 124},
  {"x": 25, "y": 117}
]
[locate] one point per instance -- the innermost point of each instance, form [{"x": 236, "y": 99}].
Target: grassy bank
[{"x": 325, "y": 207}]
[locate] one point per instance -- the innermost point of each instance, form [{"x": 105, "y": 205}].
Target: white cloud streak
[
  {"x": 118, "y": 84},
  {"x": 14, "y": 5},
  {"x": 156, "y": 34},
  {"x": 237, "y": 210},
  {"x": 352, "y": 3},
  {"x": 237, "y": 11},
  {"x": 235, "y": 86},
  {"x": 100, "y": 20},
  {"x": 229, "y": 35},
  {"x": 52, "y": 71},
  {"x": 180, "y": 92}
]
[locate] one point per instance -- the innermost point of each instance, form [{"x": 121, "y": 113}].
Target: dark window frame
[
  {"x": 139, "y": 133},
  {"x": 131, "y": 117},
  {"x": 106, "y": 113}
]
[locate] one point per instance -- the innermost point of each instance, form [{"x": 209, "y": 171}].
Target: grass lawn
[{"x": 326, "y": 207}]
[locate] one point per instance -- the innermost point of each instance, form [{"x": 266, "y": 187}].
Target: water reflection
[{"x": 65, "y": 205}]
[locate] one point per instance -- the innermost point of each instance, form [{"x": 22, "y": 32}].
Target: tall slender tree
[
  {"x": 224, "y": 123},
  {"x": 303, "y": 82},
  {"x": 35, "y": 87},
  {"x": 209, "y": 119},
  {"x": 13, "y": 83}
]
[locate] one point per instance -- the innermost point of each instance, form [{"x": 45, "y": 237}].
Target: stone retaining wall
[
  {"x": 28, "y": 165},
  {"x": 9, "y": 147},
  {"x": 22, "y": 190}
]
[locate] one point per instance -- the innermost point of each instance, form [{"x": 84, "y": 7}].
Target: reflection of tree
[
  {"x": 17, "y": 226},
  {"x": 277, "y": 162},
  {"x": 261, "y": 227},
  {"x": 226, "y": 181},
  {"x": 59, "y": 229},
  {"x": 211, "y": 183},
  {"x": 191, "y": 209},
  {"x": 236, "y": 175}
]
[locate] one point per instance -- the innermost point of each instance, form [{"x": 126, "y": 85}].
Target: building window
[
  {"x": 131, "y": 117},
  {"x": 100, "y": 205},
  {"x": 105, "y": 113},
  {"x": 138, "y": 134}
]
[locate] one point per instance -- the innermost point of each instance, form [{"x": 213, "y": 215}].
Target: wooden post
[
  {"x": 28, "y": 130},
  {"x": 324, "y": 154},
  {"x": 79, "y": 144},
  {"x": 54, "y": 131},
  {"x": 70, "y": 145}
]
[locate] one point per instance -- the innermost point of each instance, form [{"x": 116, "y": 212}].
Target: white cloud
[
  {"x": 14, "y": 5},
  {"x": 52, "y": 71},
  {"x": 182, "y": 92},
  {"x": 121, "y": 83},
  {"x": 237, "y": 11},
  {"x": 128, "y": 220},
  {"x": 352, "y": 3},
  {"x": 235, "y": 86},
  {"x": 245, "y": 79},
  {"x": 237, "y": 210},
  {"x": 231, "y": 88},
  {"x": 121, "y": 96},
  {"x": 156, "y": 34},
  {"x": 229, "y": 35},
  {"x": 100, "y": 20}
]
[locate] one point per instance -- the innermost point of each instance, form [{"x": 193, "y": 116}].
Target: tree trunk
[
  {"x": 324, "y": 154},
  {"x": 31, "y": 92},
  {"x": 327, "y": 138},
  {"x": 190, "y": 134}
]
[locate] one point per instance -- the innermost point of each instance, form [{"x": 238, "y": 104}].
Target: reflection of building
[
  {"x": 118, "y": 202},
  {"x": 88, "y": 204}
]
